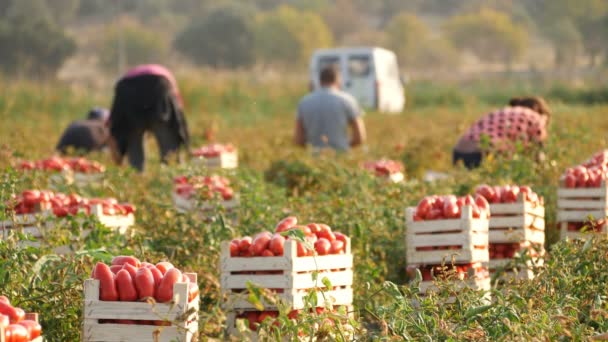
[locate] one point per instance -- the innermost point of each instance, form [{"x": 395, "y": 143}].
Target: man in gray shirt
[{"x": 324, "y": 116}]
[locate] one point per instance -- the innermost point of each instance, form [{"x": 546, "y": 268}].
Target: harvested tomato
[
  {"x": 131, "y": 269},
  {"x": 234, "y": 248},
  {"x": 286, "y": 223},
  {"x": 115, "y": 268},
  {"x": 16, "y": 333},
  {"x": 260, "y": 243},
  {"x": 322, "y": 246},
  {"x": 33, "y": 328},
  {"x": 157, "y": 275},
  {"x": 164, "y": 266},
  {"x": 276, "y": 244},
  {"x": 164, "y": 292},
  {"x": 326, "y": 232},
  {"x": 244, "y": 244},
  {"x": 107, "y": 286},
  {"x": 126, "y": 259},
  {"x": 337, "y": 247},
  {"x": 125, "y": 286},
  {"x": 144, "y": 283}
]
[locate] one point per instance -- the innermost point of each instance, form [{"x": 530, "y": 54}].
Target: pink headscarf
[{"x": 158, "y": 70}]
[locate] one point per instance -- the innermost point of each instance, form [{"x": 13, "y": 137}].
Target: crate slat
[
  {"x": 599, "y": 193},
  {"x": 226, "y": 160},
  {"x": 517, "y": 235},
  {"x": 187, "y": 204},
  {"x": 343, "y": 296},
  {"x": 580, "y": 216}
]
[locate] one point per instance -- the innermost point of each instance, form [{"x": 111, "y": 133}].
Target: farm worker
[
  {"x": 324, "y": 116},
  {"x": 147, "y": 99},
  {"x": 86, "y": 135},
  {"x": 525, "y": 120}
]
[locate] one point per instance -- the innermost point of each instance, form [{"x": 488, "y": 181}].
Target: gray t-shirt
[{"x": 325, "y": 114}]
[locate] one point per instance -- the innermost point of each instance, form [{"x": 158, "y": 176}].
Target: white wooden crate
[
  {"x": 28, "y": 316},
  {"x": 580, "y": 204},
  {"x": 188, "y": 204},
  {"x": 179, "y": 311},
  {"x": 77, "y": 178},
  {"x": 468, "y": 233},
  {"x": 288, "y": 273},
  {"x": 521, "y": 272},
  {"x": 226, "y": 160}
]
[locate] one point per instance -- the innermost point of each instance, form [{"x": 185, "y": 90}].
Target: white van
[{"x": 370, "y": 74}]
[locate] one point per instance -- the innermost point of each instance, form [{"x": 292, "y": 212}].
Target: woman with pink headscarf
[
  {"x": 147, "y": 99},
  {"x": 524, "y": 121}
]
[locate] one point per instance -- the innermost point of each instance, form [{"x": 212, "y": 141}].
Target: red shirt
[
  {"x": 158, "y": 70},
  {"x": 504, "y": 128}
]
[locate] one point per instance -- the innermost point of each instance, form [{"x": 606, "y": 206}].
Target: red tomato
[
  {"x": 128, "y": 208},
  {"x": 570, "y": 181},
  {"x": 60, "y": 211},
  {"x": 4, "y": 299},
  {"x": 125, "y": 286},
  {"x": 15, "y": 315},
  {"x": 164, "y": 266},
  {"x": 164, "y": 292},
  {"x": 322, "y": 246},
  {"x": 337, "y": 247},
  {"x": 476, "y": 212},
  {"x": 260, "y": 243},
  {"x": 157, "y": 275},
  {"x": 424, "y": 206},
  {"x": 114, "y": 269},
  {"x": 434, "y": 214},
  {"x": 286, "y": 223},
  {"x": 267, "y": 253},
  {"x": 314, "y": 228},
  {"x": 244, "y": 244},
  {"x": 293, "y": 314},
  {"x": 131, "y": 269},
  {"x": 31, "y": 197},
  {"x": 509, "y": 194},
  {"x": 16, "y": 333},
  {"x": 482, "y": 203},
  {"x": 107, "y": 286},
  {"x": 487, "y": 192},
  {"x": 451, "y": 210},
  {"x": 272, "y": 315},
  {"x": 144, "y": 283},
  {"x": 252, "y": 317},
  {"x": 326, "y": 233},
  {"x": 33, "y": 328},
  {"x": 126, "y": 259},
  {"x": 276, "y": 244},
  {"x": 301, "y": 249},
  {"x": 468, "y": 200},
  {"x": 234, "y": 248},
  {"x": 341, "y": 237}
]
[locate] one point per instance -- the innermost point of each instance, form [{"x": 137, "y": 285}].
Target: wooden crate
[
  {"x": 290, "y": 275},
  {"x": 468, "y": 233},
  {"x": 521, "y": 272},
  {"x": 179, "y": 311},
  {"x": 28, "y": 316},
  {"x": 580, "y": 204},
  {"x": 77, "y": 178},
  {"x": 226, "y": 160},
  {"x": 188, "y": 204},
  {"x": 396, "y": 177}
]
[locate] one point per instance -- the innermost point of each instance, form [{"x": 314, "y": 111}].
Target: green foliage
[
  {"x": 31, "y": 43},
  {"x": 288, "y": 36},
  {"x": 490, "y": 35},
  {"x": 129, "y": 43},
  {"x": 224, "y": 38}
]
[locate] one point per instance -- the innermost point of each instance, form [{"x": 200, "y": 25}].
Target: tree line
[{"x": 37, "y": 36}]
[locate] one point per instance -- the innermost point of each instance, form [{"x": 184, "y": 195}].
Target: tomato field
[{"x": 567, "y": 300}]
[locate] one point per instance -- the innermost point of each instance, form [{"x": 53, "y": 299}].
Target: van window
[
  {"x": 359, "y": 66},
  {"x": 328, "y": 61}
]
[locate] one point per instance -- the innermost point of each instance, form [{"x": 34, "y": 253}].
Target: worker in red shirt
[
  {"x": 146, "y": 99},
  {"x": 524, "y": 121}
]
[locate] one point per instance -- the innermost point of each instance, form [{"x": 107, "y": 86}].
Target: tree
[
  {"x": 128, "y": 43},
  {"x": 343, "y": 19},
  {"x": 225, "y": 38},
  {"x": 413, "y": 42},
  {"x": 490, "y": 35},
  {"x": 31, "y": 43},
  {"x": 287, "y": 36},
  {"x": 567, "y": 41}
]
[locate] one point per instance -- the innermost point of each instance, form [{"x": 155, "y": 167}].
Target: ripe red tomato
[
  {"x": 144, "y": 283},
  {"x": 570, "y": 181},
  {"x": 483, "y": 205},
  {"x": 115, "y": 268},
  {"x": 276, "y": 244},
  {"x": 31, "y": 197},
  {"x": 326, "y": 233},
  {"x": 234, "y": 248},
  {"x": 323, "y": 246},
  {"x": 252, "y": 317},
  {"x": 33, "y": 328},
  {"x": 272, "y": 315},
  {"x": 487, "y": 192},
  {"x": 131, "y": 269},
  {"x": 15, "y": 315},
  {"x": 438, "y": 202},
  {"x": 260, "y": 243},
  {"x": 424, "y": 206},
  {"x": 244, "y": 244},
  {"x": 107, "y": 286},
  {"x": 301, "y": 249},
  {"x": 286, "y": 223},
  {"x": 16, "y": 333},
  {"x": 164, "y": 267},
  {"x": 434, "y": 214},
  {"x": 164, "y": 293},
  {"x": 267, "y": 253},
  {"x": 126, "y": 288},
  {"x": 337, "y": 247},
  {"x": 451, "y": 210},
  {"x": 314, "y": 228},
  {"x": 126, "y": 259},
  {"x": 341, "y": 237},
  {"x": 509, "y": 194}
]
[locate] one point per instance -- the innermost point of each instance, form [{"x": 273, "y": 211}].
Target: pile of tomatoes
[
  {"x": 213, "y": 150},
  {"x": 589, "y": 174},
  {"x": 33, "y": 201},
  {"x": 450, "y": 207},
  {"x": 267, "y": 244},
  {"x": 16, "y": 327},
  {"x": 81, "y": 165},
  {"x": 207, "y": 187},
  {"x": 129, "y": 280},
  {"x": 503, "y": 250},
  {"x": 257, "y": 317},
  {"x": 462, "y": 271},
  {"x": 507, "y": 194},
  {"x": 383, "y": 167}
]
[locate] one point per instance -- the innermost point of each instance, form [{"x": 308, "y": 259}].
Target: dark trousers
[
  {"x": 470, "y": 160},
  {"x": 168, "y": 141}
]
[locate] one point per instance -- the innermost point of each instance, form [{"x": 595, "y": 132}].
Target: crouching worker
[
  {"x": 84, "y": 136},
  {"x": 147, "y": 99}
]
